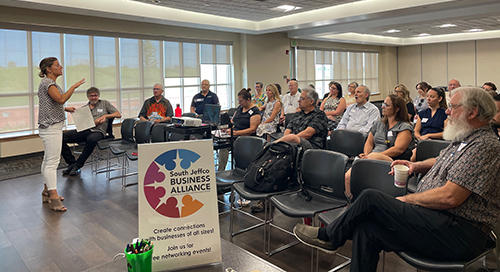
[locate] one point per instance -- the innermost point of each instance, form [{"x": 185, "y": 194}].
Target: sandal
[
  {"x": 46, "y": 195},
  {"x": 56, "y": 205}
]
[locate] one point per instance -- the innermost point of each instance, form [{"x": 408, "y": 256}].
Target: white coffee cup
[{"x": 400, "y": 175}]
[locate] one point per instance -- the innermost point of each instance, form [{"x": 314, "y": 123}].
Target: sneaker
[
  {"x": 75, "y": 170},
  {"x": 243, "y": 202},
  {"x": 259, "y": 207},
  {"x": 67, "y": 170},
  {"x": 309, "y": 236}
]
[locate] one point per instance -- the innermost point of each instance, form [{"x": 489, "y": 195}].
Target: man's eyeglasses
[
  {"x": 92, "y": 95},
  {"x": 454, "y": 106},
  {"x": 302, "y": 98},
  {"x": 156, "y": 89}
]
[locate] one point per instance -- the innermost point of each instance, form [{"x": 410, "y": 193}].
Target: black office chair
[
  {"x": 426, "y": 149},
  {"x": 429, "y": 264},
  {"x": 249, "y": 194},
  {"x": 244, "y": 150},
  {"x": 378, "y": 104},
  {"x": 127, "y": 136},
  {"x": 129, "y": 150},
  {"x": 322, "y": 175},
  {"x": 231, "y": 112},
  {"x": 159, "y": 133},
  {"x": 378, "y": 179},
  {"x": 347, "y": 142}
]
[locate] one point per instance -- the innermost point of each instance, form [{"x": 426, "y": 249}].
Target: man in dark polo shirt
[
  {"x": 202, "y": 98},
  {"x": 101, "y": 110},
  {"x": 309, "y": 126},
  {"x": 456, "y": 205},
  {"x": 157, "y": 108}
]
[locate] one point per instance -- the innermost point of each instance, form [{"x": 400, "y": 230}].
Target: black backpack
[{"x": 273, "y": 168}]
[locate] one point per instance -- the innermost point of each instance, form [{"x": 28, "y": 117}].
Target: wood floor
[{"x": 102, "y": 218}]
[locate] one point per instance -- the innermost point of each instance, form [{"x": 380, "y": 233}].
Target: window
[
  {"x": 124, "y": 69},
  {"x": 319, "y": 67}
]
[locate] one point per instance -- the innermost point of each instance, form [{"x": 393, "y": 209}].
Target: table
[{"x": 233, "y": 257}]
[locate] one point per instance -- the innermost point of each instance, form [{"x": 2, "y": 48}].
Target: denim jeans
[{"x": 52, "y": 143}]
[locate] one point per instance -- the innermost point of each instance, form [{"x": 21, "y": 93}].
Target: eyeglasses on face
[
  {"x": 385, "y": 105},
  {"x": 156, "y": 89},
  {"x": 454, "y": 106}
]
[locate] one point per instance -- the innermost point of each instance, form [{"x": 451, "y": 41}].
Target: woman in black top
[
  {"x": 247, "y": 117},
  {"x": 245, "y": 121}
]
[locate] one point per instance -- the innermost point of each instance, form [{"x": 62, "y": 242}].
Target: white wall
[{"x": 470, "y": 62}]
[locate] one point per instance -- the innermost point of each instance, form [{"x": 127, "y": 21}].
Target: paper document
[{"x": 83, "y": 119}]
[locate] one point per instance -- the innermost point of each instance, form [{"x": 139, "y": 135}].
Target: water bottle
[{"x": 178, "y": 111}]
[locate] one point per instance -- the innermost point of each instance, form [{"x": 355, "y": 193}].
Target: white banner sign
[{"x": 178, "y": 203}]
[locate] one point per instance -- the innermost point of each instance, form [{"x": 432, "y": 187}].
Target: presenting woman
[
  {"x": 50, "y": 123},
  {"x": 271, "y": 109},
  {"x": 334, "y": 105},
  {"x": 389, "y": 139}
]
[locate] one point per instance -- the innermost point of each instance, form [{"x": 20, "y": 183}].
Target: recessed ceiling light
[
  {"x": 286, "y": 8},
  {"x": 393, "y": 31},
  {"x": 447, "y": 25},
  {"x": 475, "y": 30},
  {"x": 423, "y": 34}
]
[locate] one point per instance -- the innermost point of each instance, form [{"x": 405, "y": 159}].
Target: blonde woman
[
  {"x": 403, "y": 92},
  {"x": 271, "y": 110}
]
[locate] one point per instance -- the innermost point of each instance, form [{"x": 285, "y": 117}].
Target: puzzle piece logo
[{"x": 156, "y": 184}]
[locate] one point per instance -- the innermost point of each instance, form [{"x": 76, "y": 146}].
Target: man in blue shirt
[
  {"x": 361, "y": 115},
  {"x": 204, "y": 97}
]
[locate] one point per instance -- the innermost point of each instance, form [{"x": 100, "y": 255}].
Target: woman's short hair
[
  {"x": 424, "y": 86},
  {"x": 92, "y": 90},
  {"x": 338, "y": 86},
  {"x": 44, "y": 64},
  {"x": 245, "y": 93},
  {"x": 440, "y": 92},
  {"x": 398, "y": 103},
  {"x": 405, "y": 91},
  {"x": 275, "y": 92}
]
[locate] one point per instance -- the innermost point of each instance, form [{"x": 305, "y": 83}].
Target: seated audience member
[
  {"x": 333, "y": 105},
  {"x": 271, "y": 109},
  {"x": 431, "y": 122},
  {"x": 452, "y": 85},
  {"x": 361, "y": 115},
  {"x": 456, "y": 205},
  {"x": 245, "y": 121},
  {"x": 101, "y": 110},
  {"x": 420, "y": 101},
  {"x": 204, "y": 97},
  {"x": 259, "y": 97},
  {"x": 308, "y": 127},
  {"x": 404, "y": 93},
  {"x": 279, "y": 88},
  {"x": 489, "y": 86},
  {"x": 495, "y": 123},
  {"x": 350, "y": 97},
  {"x": 157, "y": 108},
  {"x": 290, "y": 100},
  {"x": 390, "y": 138}
]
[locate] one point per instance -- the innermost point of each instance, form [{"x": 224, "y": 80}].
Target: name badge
[
  {"x": 250, "y": 112},
  {"x": 424, "y": 120},
  {"x": 462, "y": 145},
  {"x": 100, "y": 110},
  {"x": 199, "y": 100},
  {"x": 389, "y": 134},
  {"x": 353, "y": 110}
]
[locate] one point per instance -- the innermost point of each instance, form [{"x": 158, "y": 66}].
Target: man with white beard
[{"x": 456, "y": 205}]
